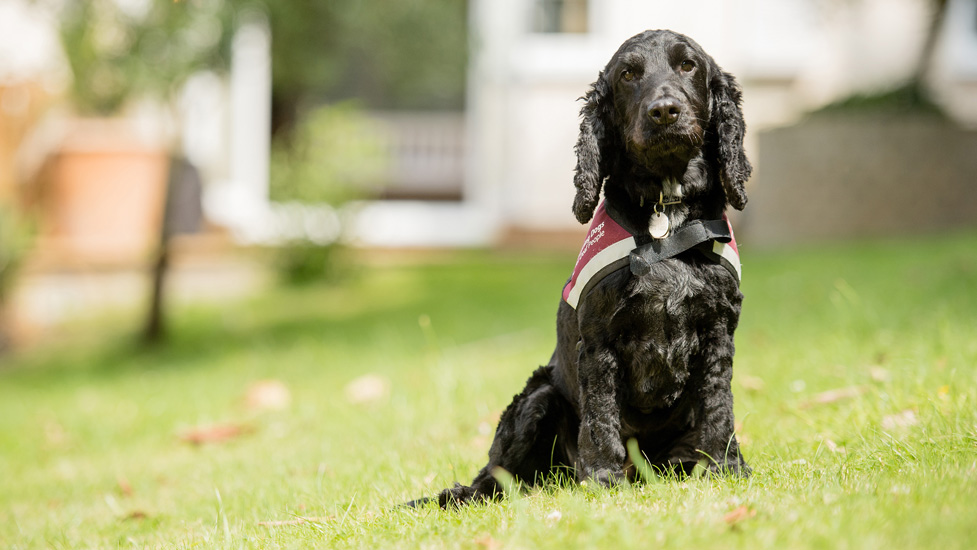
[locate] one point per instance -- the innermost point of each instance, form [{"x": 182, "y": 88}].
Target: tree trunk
[
  {"x": 929, "y": 44},
  {"x": 182, "y": 214}
]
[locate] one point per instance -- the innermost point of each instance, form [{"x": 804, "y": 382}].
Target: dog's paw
[
  {"x": 730, "y": 467},
  {"x": 607, "y": 477}
]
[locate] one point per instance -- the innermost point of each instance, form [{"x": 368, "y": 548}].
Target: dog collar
[
  {"x": 659, "y": 225},
  {"x": 610, "y": 247}
]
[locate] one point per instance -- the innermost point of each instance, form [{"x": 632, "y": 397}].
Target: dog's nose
[{"x": 665, "y": 111}]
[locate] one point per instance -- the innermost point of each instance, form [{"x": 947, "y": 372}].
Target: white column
[{"x": 241, "y": 202}]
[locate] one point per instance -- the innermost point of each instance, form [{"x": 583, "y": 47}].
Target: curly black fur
[{"x": 647, "y": 357}]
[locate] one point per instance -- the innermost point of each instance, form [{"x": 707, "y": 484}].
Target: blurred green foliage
[
  {"x": 120, "y": 50},
  {"x": 15, "y": 237},
  {"x": 409, "y": 54},
  {"x": 909, "y": 98},
  {"x": 393, "y": 55},
  {"x": 301, "y": 262},
  {"x": 334, "y": 155}
]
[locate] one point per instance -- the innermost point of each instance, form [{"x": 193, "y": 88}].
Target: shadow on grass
[{"x": 472, "y": 297}]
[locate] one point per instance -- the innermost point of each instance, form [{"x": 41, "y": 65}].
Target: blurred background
[{"x": 200, "y": 150}]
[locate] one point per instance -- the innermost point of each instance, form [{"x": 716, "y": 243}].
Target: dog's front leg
[
  {"x": 716, "y": 437},
  {"x": 599, "y": 441}
]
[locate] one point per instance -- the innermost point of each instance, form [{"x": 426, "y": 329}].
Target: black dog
[{"x": 644, "y": 336}]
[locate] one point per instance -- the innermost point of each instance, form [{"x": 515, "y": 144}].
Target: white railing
[{"x": 426, "y": 154}]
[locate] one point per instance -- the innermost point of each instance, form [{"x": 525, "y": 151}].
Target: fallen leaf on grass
[
  {"x": 214, "y": 433},
  {"x": 739, "y": 514},
  {"x": 833, "y": 447},
  {"x": 900, "y": 490},
  {"x": 751, "y": 383},
  {"x": 55, "y": 434},
  {"x": 136, "y": 514},
  {"x": 903, "y": 419},
  {"x": 879, "y": 374},
  {"x": 124, "y": 486},
  {"x": 487, "y": 542},
  {"x": 368, "y": 388},
  {"x": 833, "y": 396},
  {"x": 738, "y": 428},
  {"x": 296, "y": 521},
  {"x": 267, "y": 395}
]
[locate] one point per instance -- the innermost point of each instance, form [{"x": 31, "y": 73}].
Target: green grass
[{"x": 90, "y": 454}]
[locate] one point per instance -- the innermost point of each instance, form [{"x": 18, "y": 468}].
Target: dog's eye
[
  {"x": 628, "y": 75},
  {"x": 688, "y": 65}
]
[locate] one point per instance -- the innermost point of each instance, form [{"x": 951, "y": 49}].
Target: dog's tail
[
  {"x": 418, "y": 502},
  {"x": 459, "y": 495}
]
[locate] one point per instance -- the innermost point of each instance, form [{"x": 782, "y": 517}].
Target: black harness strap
[{"x": 685, "y": 238}]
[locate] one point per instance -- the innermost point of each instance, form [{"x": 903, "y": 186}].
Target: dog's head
[{"x": 659, "y": 102}]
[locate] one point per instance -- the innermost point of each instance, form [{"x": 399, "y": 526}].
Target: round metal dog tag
[{"x": 659, "y": 226}]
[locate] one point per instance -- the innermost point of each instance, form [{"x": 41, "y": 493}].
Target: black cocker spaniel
[{"x": 645, "y": 328}]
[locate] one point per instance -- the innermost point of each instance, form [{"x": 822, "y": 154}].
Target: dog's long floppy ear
[
  {"x": 591, "y": 149},
  {"x": 728, "y": 127}
]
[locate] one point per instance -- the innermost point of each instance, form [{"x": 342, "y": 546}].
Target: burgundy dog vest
[{"x": 609, "y": 247}]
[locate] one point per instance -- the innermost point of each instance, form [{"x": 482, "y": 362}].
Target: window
[{"x": 560, "y": 16}]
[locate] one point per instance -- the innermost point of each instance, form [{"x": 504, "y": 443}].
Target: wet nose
[{"x": 665, "y": 111}]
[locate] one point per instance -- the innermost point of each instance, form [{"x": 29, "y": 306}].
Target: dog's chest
[{"x": 659, "y": 338}]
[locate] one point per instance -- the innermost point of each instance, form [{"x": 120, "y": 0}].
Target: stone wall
[{"x": 834, "y": 177}]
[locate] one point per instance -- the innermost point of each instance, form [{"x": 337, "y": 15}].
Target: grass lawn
[{"x": 855, "y": 386}]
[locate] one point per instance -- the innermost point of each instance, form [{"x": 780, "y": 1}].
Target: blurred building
[
  {"x": 532, "y": 59},
  {"x": 507, "y": 178},
  {"x": 501, "y": 170}
]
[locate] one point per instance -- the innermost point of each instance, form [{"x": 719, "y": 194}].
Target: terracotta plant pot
[{"x": 102, "y": 195}]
